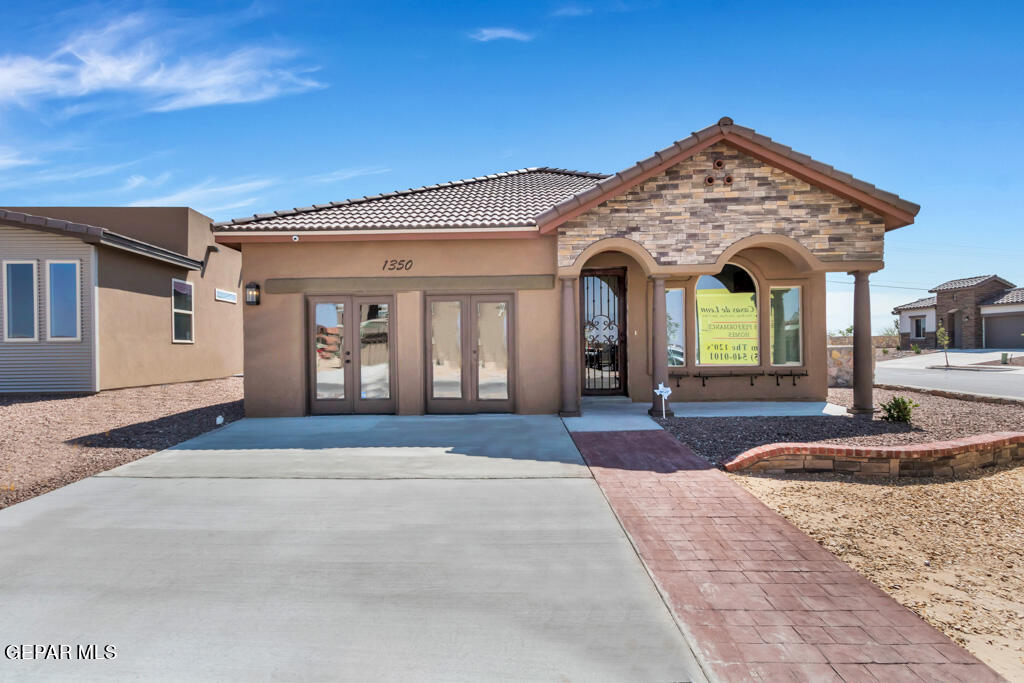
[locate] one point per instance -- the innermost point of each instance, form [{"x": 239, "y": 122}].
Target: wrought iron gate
[{"x": 603, "y": 303}]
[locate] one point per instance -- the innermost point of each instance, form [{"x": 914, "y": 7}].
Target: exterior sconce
[{"x": 252, "y": 294}]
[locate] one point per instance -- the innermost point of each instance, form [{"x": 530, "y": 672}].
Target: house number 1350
[{"x": 397, "y": 264}]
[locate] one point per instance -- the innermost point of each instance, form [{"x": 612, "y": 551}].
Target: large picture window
[
  {"x": 675, "y": 318},
  {"x": 784, "y": 303},
  {"x": 182, "y": 311},
  {"x": 63, "y": 301},
  {"x": 20, "y": 301},
  {"x": 727, "y": 318}
]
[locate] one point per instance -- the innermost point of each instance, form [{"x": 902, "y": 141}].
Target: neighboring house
[
  {"x": 984, "y": 311},
  {"x": 701, "y": 267},
  {"x": 95, "y": 298}
]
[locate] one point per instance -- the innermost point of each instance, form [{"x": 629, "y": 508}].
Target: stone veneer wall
[
  {"x": 840, "y": 365},
  {"x": 927, "y": 343},
  {"x": 939, "y": 459},
  {"x": 965, "y": 301},
  {"x": 682, "y": 221}
]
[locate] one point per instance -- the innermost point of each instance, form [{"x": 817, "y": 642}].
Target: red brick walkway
[{"x": 759, "y": 599}]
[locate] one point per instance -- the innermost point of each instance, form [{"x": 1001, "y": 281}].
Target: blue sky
[{"x": 235, "y": 108}]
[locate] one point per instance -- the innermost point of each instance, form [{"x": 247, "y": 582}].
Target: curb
[{"x": 942, "y": 393}]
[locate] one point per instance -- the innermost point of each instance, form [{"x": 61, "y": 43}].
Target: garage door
[{"x": 1004, "y": 331}]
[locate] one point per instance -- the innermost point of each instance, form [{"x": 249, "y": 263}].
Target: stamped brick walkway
[{"x": 759, "y": 599}]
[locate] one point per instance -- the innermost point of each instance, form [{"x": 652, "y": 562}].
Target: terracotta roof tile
[
  {"x": 510, "y": 199},
  {"x": 1010, "y": 296},
  {"x": 964, "y": 282},
  {"x": 926, "y": 302}
]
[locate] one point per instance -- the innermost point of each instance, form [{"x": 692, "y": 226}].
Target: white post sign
[{"x": 664, "y": 392}]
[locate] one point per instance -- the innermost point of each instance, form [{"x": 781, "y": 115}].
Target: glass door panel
[
  {"x": 328, "y": 342},
  {"x": 446, "y": 349},
  {"x": 492, "y": 350},
  {"x": 374, "y": 351}
]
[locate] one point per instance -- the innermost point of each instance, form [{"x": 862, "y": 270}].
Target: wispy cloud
[
  {"x": 572, "y": 11},
  {"x": 485, "y": 35},
  {"x": 209, "y": 193},
  {"x": 10, "y": 158},
  {"x": 136, "y": 181},
  {"x": 136, "y": 55},
  {"x": 64, "y": 174},
  {"x": 346, "y": 174}
]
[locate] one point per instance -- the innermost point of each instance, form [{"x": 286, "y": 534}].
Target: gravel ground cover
[
  {"x": 720, "y": 439},
  {"x": 50, "y": 440}
]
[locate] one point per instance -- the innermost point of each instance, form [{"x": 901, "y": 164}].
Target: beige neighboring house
[
  {"x": 701, "y": 267},
  {"x": 95, "y": 298}
]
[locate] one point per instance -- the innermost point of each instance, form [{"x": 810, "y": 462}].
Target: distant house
[
  {"x": 95, "y": 298},
  {"x": 978, "y": 312}
]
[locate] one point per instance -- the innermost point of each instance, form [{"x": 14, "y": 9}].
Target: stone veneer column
[
  {"x": 659, "y": 347},
  {"x": 570, "y": 349},
  {"x": 863, "y": 372}
]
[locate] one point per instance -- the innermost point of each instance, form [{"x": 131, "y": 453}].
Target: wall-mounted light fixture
[{"x": 252, "y": 294}]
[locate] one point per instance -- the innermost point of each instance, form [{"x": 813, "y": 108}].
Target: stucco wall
[
  {"x": 275, "y": 333},
  {"x": 683, "y": 221}
]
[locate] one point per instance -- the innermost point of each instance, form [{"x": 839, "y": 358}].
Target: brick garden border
[{"x": 939, "y": 458}]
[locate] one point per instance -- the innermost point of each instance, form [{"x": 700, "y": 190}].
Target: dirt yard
[
  {"x": 951, "y": 550},
  {"x": 50, "y": 440}
]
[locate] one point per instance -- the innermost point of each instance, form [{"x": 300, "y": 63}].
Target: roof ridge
[{"x": 412, "y": 190}]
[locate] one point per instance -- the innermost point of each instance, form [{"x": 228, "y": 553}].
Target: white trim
[
  {"x": 995, "y": 309},
  {"x": 191, "y": 314},
  {"x": 800, "y": 317},
  {"x": 397, "y": 231},
  {"x": 35, "y": 301},
  {"x": 95, "y": 276},
  {"x": 78, "y": 301},
  {"x": 225, "y": 295},
  {"x": 682, "y": 323}
]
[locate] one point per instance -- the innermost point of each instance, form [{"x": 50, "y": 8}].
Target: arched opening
[{"x": 728, "y": 329}]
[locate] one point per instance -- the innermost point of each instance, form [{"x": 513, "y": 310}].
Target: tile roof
[
  {"x": 729, "y": 132},
  {"x": 96, "y": 235},
  {"x": 964, "y": 282},
  {"x": 1010, "y": 296},
  {"x": 512, "y": 199},
  {"x": 926, "y": 302},
  {"x": 540, "y": 196}
]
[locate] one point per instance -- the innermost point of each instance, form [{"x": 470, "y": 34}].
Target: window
[
  {"x": 675, "y": 316},
  {"x": 918, "y": 327},
  {"x": 182, "y": 311},
  {"x": 727, "y": 318},
  {"x": 63, "y": 301},
  {"x": 784, "y": 304},
  {"x": 20, "y": 297}
]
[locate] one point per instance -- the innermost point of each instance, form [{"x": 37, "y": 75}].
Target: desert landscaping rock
[
  {"x": 50, "y": 440},
  {"x": 935, "y": 419}
]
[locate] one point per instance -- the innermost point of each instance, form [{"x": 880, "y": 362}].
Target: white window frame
[
  {"x": 35, "y": 301},
  {"x": 78, "y": 302},
  {"x": 800, "y": 311},
  {"x": 913, "y": 326},
  {"x": 191, "y": 314},
  {"x": 682, "y": 322},
  {"x": 225, "y": 295}
]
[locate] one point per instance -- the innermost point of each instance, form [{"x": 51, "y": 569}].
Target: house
[
  {"x": 95, "y": 298},
  {"x": 981, "y": 312},
  {"x": 701, "y": 267}
]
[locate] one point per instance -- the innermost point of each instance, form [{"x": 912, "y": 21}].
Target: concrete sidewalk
[{"x": 760, "y": 599}]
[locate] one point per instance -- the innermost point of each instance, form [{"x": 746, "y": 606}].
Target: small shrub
[
  {"x": 898, "y": 409},
  {"x": 915, "y": 348},
  {"x": 885, "y": 352}
]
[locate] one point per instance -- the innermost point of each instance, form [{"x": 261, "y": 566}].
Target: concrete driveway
[
  {"x": 912, "y": 371},
  {"x": 298, "y": 550}
]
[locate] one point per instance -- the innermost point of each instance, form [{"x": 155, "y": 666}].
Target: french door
[
  {"x": 469, "y": 353},
  {"x": 603, "y": 302},
  {"x": 351, "y": 355}
]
